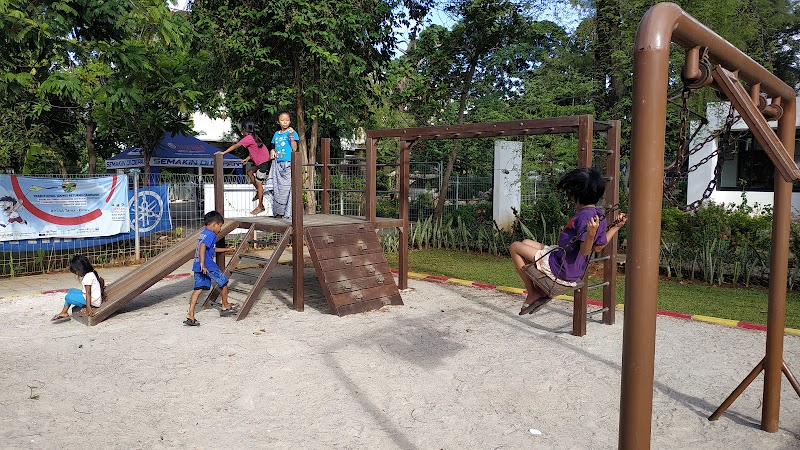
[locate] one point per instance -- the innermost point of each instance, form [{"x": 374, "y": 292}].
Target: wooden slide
[{"x": 129, "y": 286}]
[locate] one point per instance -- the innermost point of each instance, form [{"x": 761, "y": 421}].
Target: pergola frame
[{"x": 584, "y": 126}]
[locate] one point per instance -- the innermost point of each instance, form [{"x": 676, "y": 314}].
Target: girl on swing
[{"x": 585, "y": 233}]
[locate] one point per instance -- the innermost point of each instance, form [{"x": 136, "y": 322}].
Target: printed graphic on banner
[
  {"x": 34, "y": 208},
  {"x": 154, "y": 217},
  {"x": 153, "y": 210}
]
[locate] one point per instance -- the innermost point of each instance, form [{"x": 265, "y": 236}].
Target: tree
[
  {"x": 74, "y": 57},
  {"x": 157, "y": 98},
  {"x": 481, "y": 49},
  {"x": 318, "y": 57}
]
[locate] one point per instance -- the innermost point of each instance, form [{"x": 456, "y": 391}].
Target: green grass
[{"x": 744, "y": 304}]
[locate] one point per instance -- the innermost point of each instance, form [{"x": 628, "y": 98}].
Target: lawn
[{"x": 744, "y": 304}]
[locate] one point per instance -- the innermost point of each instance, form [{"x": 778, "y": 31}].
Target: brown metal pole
[
  {"x": 779, "y": 268},
  {"x": 613, "y": 137},
  {"x": 402, "y": 259},
  {"x": 326, "y": 175},
  {"x": 581, "y": 301},
  {"x": 791, "y": 378},
  {"x": 738, "y": 391},
  {"x": 219, "y": 200},
  {"x": 371, "y": 168},
  {"x": 297, "y": 232},
  {"x": 651, "y": 66}
]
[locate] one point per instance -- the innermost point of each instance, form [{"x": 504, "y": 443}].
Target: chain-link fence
[
  {"x": 181, "y": 198},
  {"x": 188, "y": 196}
]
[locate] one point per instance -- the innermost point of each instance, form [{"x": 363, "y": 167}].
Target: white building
[
  {"x": 745, "y": 168},
  {"x": 214, "y": 131}
]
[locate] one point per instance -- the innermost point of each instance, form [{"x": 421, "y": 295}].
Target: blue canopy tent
[{"x": 176, "y": 150}]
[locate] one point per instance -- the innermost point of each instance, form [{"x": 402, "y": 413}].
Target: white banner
[{"x": 34, "y": 208}]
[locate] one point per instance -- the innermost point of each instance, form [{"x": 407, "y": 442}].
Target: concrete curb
[{"x": 511, "y": 290}]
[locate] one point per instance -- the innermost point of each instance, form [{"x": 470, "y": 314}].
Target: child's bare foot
[
  {"x": 258, "y": 210},
  {"x": 58, "y": 318}
]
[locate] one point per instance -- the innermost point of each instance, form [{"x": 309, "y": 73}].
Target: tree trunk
[
  {"x": 301, "y": 120},
  {"x": 90, "y": 127},
  {"x": 311, "y": 207},
  {"x": 609, "y": 86},
  {"x": 146, "y": 152},
  {"x": 462, "y": 106}
]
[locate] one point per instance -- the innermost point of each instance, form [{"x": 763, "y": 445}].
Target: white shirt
[{"x": 91, "y": 279}]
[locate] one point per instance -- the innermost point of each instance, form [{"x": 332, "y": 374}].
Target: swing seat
[{"x": 546, "y": 284}]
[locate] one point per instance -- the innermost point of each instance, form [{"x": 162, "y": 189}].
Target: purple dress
[{"x": 569, "y": 264}]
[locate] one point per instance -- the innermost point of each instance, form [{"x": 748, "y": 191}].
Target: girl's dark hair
[
  {"x": 6, "y": 198},
  {"x": 585, "y": 186},
  {"x": 80, "y": 265},
  {"x": 251, "y": 127}
]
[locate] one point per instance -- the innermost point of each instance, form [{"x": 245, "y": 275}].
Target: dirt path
[{"x": 454, "y": 368}]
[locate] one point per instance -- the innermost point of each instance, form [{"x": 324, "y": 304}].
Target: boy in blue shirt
[{"x": 205, "y": 267}]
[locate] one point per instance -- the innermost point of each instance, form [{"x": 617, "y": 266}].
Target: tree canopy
[{"x": 79, "y": 79}]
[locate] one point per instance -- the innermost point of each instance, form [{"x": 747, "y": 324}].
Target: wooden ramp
[
  {"x": 122, "y": 291},
  {"x": 351, "y": 267}
]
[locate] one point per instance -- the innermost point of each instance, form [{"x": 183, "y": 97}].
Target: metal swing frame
[{"x": 663, "y": 24}]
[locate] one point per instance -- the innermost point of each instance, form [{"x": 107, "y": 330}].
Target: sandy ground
[{"x": 455, "y": 368}]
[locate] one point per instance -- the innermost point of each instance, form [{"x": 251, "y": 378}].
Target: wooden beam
[
  {"x": 567, "y": 124},
  {"x": 739, "y": 97}
]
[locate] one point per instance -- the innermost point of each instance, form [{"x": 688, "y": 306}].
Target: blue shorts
[{"x": 203, "y": 281}]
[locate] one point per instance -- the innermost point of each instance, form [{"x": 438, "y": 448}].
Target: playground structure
[
  {"x": 585, "y": 126},
  {"x": 345, "y": 250},
  {"x": 663, "y": 24}
]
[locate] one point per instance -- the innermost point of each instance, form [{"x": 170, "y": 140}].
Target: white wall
[{"x": 507, "y": 166}]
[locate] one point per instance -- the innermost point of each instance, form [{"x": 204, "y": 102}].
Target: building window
[{"x": 747, "y": 167}]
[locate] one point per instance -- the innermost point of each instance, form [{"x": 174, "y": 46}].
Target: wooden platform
[
  {"x": 264, "y": 223},
  {"x": 367, "y": 269}
]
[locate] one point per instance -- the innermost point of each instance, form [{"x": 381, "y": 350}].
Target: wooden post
[
  {"x": 371, "y": 168},
  {"x": 219, "y": 200},
  {"x": 297, "y": 231},
  {"x": 613, "y": 136},
  {"x": 402, "y": 259},
  {"x": 581, "y": 300}
]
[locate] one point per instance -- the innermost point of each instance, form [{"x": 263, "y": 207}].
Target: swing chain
[
  {"x": 682, "y": 154},
  {"x": 725, "y": 136}
]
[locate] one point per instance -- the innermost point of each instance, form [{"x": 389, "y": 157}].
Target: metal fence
[{"x": 190, "y": 195}]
